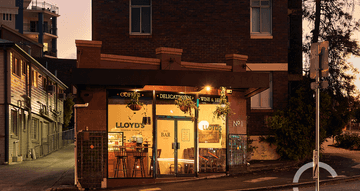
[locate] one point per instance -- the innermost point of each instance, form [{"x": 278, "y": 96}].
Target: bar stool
[
  {"x": 138, "y": 156},
  {"x": 121, "y": 159},
  {"x": 157, "y": 162}
]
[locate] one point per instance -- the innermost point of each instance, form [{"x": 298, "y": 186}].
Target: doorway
[{"x": 175, "y": 145}]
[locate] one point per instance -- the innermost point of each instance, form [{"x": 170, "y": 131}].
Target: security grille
[{"x": 91, "y": 158}]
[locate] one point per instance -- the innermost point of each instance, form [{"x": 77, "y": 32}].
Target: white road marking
[{"x": 261, "y": 179}]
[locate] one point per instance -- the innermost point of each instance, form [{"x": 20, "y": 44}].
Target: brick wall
[
  {"x": 205, "y": 30},
  {"x": 237, "y": 121},
  {"x": 93, "y": 116},
  {"x": 256, "y": 121}
]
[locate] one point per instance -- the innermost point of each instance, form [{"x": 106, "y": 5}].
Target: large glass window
[
  {"x": 140, "y": 16},
  {"x": 130, "y": 135},
  {"x": 212, "y": 136}
]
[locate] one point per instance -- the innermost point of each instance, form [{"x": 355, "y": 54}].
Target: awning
[{"x": 248, "y": 82}]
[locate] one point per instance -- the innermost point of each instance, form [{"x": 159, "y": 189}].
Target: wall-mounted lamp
[{"x": 208, "y": 88}]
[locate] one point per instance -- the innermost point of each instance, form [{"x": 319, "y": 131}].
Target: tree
[
  {"x": 294, "y": 127},
  {"x": 68, "y": 109},
  {"x": 336, "y": 25}
]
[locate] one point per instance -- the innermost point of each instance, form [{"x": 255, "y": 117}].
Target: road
[
  {"x": 40, "y": 174},
  {"x": 345, "y": 186}
]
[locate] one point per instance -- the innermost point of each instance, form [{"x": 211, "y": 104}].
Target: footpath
[{"x": 262, "y": 175}]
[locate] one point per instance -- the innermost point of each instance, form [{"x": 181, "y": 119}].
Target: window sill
[
  {"x": 258, "y": 36},
  {"x": 264, "y": 109},
  {"x": 140, "y": 35}
]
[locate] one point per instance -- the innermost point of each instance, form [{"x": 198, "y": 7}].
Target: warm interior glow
[{"x": 208, "y": 88}]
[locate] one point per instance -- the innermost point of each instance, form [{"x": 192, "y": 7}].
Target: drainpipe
[
  {"x": 29, "y": 122},
  {"x": 75, "y": 131},
  {"x": 6, "y": 108}
]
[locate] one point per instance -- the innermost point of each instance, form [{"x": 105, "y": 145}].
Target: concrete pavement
[
  {"x": 52, "y": 170},
  {"x": 56, "y": 172}
]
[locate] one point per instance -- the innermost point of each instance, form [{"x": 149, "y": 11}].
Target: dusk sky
[{"x": 75, "y": 23}]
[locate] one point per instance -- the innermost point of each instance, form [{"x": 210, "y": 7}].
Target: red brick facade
[{"x": 205, "y": 30}]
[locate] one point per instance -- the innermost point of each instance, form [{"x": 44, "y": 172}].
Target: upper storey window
[
  {"x": 140, "y": 16},
  {"x": 6, "y": 17},
  {"x": 261, "y": 17}
]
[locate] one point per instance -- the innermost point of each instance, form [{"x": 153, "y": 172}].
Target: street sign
[
  {"x": 324, "y": 50},
  {"x": 319, "y": 52},
  {"x": 315, "y": 165},
  {"x": 314, "y": 59}
]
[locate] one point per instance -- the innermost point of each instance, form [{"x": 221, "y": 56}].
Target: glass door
[
  {"x": 186, "y": 149},
  {"x": 175, "y": 146},
  {"x": 165, "y": 151}
]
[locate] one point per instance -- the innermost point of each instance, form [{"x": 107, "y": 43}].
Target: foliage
[
  {"x": 186, "y": 104},
  {"x": 68, "y": 109},
  {"x": 294, "y": 127},
  {"x": 336, "y": 26},
  {"x": 250, "y": 148},
  {"x": 134, "y": 100},
  {"x": 223, "y": 109},
  {"x": 348, "y": 141}
]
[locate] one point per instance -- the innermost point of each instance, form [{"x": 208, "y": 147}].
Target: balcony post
[{"x": 19, "y": 18}]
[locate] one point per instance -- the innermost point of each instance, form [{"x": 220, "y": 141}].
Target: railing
[
  {"x": 34, "y": 28},
  {"x": 35, "y": 5},
  {"x": 50, "y": 53},
  {"x": 56, "y": 141}
]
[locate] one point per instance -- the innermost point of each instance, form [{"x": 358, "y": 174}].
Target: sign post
[{"x": 319, "y": 67}]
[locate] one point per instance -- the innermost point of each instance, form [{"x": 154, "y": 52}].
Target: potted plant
[
  {"x": 186, "y": 104},
  {"x": 223, "y": 109},
  {"x": 134, "y": 103}
]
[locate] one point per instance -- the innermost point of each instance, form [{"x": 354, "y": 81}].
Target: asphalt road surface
[
  {"x": 40, "y": 174},
  {"x": 344, "y": 186}
]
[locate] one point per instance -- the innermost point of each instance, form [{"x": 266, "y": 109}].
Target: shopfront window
[
  {"x": 212, "y": 136},
  {"x": 130, "y": 135}
]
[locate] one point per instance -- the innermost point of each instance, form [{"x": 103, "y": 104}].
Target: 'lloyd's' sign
[{"x": 129, "y": 125}]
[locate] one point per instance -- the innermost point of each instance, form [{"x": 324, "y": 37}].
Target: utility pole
[{"x": 319, "y": 67}]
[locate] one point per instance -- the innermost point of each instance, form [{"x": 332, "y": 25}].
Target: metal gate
[{"x": 91, "y": 158}]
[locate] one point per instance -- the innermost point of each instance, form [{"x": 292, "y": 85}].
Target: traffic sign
[{"x": 319, "y": 53}]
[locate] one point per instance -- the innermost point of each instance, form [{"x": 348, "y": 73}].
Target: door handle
[
  {"x": 173, "y": 145},
  {"x": 177, "y": 145}
]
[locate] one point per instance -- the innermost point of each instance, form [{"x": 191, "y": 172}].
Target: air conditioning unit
[
  {"x": 62, "y": 96},
  {"x": 50, "y": 89}
]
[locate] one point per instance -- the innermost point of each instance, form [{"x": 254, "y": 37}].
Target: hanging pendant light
[{"x": 146, "y": 120}]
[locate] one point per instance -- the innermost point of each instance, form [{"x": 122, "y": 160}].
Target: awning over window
[{"x": 248, "y": 82}]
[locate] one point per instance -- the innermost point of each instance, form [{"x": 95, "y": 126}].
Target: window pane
[
  {"x": 140, "y": 2},
  {"x": 145, "y": 19},
  {"x": 265, "y": 98},
  {"x": 265, "y": 3},
  {"x": 265, "y": 20},
  {"x": 255, "y": 20},
  {"x": 3, "y": 16},
  {"x": 135, "y": 20},
  {"x": 255, "y": 101},
  {"x": 255, "y": 3}
]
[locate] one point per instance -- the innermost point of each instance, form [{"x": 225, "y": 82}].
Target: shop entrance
[{"x": 175, "y": 146}]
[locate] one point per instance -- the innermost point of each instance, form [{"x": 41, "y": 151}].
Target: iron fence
[
  {"x": 35, "y": 5},
  {"x": 56, "y": 141}
]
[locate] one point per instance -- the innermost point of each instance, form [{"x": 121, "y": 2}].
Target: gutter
[
  {"x": 6, "y": 104},
  {"x": 75, "y": 131}
]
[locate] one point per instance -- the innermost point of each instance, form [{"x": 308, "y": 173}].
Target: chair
[
  {"x": 157, "y": 163},
  {"x": 121, "y": 159},
  {"x": 190, "y": 166},
  {"x": 139, "y": 158}
]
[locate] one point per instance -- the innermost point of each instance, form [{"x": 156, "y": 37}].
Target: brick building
[
  {"x": 164, "y": 50},
  {"x": 31, "y": 102}
]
